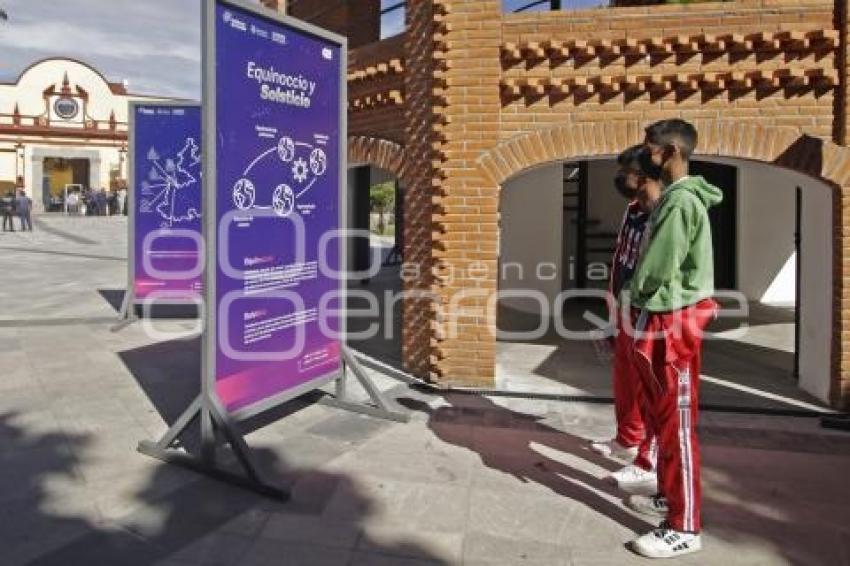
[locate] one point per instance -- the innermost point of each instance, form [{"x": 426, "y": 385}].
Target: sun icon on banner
[{"x": 299, "y": 170}]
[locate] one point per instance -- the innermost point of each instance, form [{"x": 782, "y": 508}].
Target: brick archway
[
  {"x": 379, "y": 153},
  {"x": 779, "y": 146}
]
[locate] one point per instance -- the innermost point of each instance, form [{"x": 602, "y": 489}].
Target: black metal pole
[{"x": 799, "y": 265}]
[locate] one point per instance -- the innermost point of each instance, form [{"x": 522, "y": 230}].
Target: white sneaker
[
  {"x": 652, "y": 506},
  {"x": 614, "y": 449},
  {"x": 664, "y": 542},
  {"x": 634, "y": 479}
]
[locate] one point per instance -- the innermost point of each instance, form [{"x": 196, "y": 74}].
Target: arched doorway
[
  {"x": 375, "y": 196},
  {"x": 814, "y": 160}
]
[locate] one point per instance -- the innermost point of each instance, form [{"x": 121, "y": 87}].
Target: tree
[{"x": 381, "y": 198}]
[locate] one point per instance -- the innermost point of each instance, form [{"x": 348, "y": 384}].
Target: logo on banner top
[
  {"x": 66, "y": 108},
  {"x": 234, "y": 22}
]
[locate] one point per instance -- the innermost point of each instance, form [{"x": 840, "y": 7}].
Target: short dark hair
[
  {"x": 674, "y": 131},
  {"x": 630, "y": 158}
]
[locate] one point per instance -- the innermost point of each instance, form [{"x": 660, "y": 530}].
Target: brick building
[{"x": 473, "y": 106}]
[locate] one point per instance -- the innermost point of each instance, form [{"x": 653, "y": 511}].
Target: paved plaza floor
[{"x": 470, "y": 480}]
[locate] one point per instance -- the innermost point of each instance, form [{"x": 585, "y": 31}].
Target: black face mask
[
  {"x": 651, "y": 170},
  {"x": 623, "y": 188}
]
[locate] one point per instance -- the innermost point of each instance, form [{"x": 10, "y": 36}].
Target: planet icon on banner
[
  {"x": 244, "y": 194},
  {"x": 283, "y": 200},
  {"x": 318, "y": 162},
  {"x": 286, "y": 149}
]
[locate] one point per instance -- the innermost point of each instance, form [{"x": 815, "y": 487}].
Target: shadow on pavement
[
  {"x": 516, "y": 446},
  {"x": 760, "y": 488},
  {"x": 115, "y": 298},
  {"x": 175, "y": 516}
]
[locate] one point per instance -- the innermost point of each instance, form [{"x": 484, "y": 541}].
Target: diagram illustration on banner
[
  {"x": 172, "y": 187},
  {"x": 165, "y": 263},
  {"x": 297, "y": 161}
]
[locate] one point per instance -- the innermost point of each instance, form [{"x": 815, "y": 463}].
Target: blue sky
[{"x": 154, "y": 44}]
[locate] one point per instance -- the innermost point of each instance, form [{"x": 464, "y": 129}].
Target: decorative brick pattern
[
  {"x": 466, "y": 228},
  {"x": 378, "y": 153},
  {"x": 420, "y": 111},
  {"x": 376, "y": 90},
  {"x": 471, "y": 96}
]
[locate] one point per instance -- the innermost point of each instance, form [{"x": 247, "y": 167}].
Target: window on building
[{"x": 392, "y": 18}]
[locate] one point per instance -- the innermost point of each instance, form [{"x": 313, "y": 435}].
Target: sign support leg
[
  {"x": 213, "y": 420},
  {"x": 381, "y": 408},
  {"x": 125, "y": 316}
]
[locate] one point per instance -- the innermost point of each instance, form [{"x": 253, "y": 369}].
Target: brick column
[
  {"x": 420, "y": 132},
  {"x": 840, "y": 396},
  {"x": 466, "y": 207},
  {"x": 841, "y": 133}
]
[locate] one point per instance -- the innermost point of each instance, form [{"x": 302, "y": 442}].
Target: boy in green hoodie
[{"x": 671, "y": 301}]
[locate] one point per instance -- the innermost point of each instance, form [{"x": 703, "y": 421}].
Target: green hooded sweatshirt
[{"x": 676, "y": 269}]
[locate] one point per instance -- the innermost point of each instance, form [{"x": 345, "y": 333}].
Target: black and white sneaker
[
  {"x": 664, "y": 542},
  {"x": 652, "y": 506}
]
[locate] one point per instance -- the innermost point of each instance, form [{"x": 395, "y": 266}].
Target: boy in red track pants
[
  {"x": 671, "y": 297},
  {"x": 635, "y": 441}
]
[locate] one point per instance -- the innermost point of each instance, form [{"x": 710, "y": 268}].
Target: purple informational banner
[
  {"x": 275, "y": 132},
  {"x": 165, "y": 203}
]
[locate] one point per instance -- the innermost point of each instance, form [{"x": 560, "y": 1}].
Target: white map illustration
[
  {"x": 172, "y": 188},
  {"x": 302, "y": 165}
]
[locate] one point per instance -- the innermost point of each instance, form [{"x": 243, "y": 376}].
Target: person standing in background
[
  {"x": 23, "y": 206},
  {"x": 101, "y": 202},
  {"x": 122, "y": 201},
  {"x": 7, "y": 206}
]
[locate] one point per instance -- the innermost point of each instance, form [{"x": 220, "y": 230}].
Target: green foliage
[
  {"x": 382, "y": 199},
  {"x": 382, "y": 196}
]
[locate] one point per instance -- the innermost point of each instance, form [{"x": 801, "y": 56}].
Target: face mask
[
  {"x": 651, "y": 170},
  {"x": 623, "y": 188}
]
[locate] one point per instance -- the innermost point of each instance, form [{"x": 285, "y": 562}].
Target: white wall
[
  {"x": 531, "y": 230},
  {"x": 604, "y": 202},
  {"x": 767, "y": 262},
  {"x": 7, "y": 165},
  {"x": 766, "y": 217},
  {"x": 531, "y": 216},
  {"x": 28, "y": 92},
  {"x": 815, "y": 285}
]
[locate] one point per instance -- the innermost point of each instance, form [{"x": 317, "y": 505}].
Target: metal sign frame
[
  {"x": 215, "y": 421},
  {"x": 128, "y": 305}
]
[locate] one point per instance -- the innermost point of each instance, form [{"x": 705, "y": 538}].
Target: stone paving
[{"x": 470, "y": 480}]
